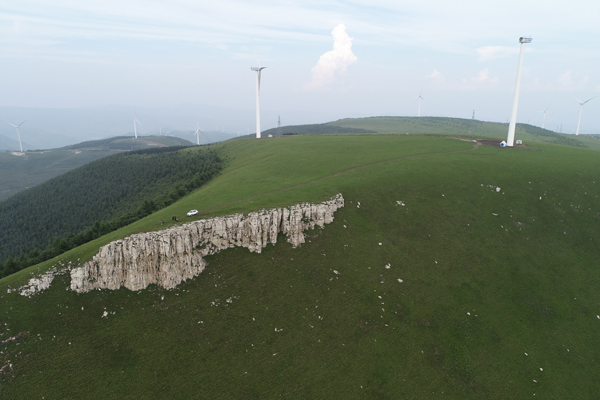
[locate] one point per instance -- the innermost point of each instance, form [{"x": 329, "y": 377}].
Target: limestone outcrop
[{"x": 168, "y": 257}]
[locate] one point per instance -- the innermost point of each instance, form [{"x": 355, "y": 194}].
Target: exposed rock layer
[{"x": 168, "y": 257}]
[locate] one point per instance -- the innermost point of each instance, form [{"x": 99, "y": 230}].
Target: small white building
[{"x": 503, "y": 143}]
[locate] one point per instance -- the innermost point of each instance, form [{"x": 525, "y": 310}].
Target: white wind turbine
[
  {"x": 544, "y": 120},
  {"x": 258, "y": 71},
  {"x": 581, "y": 104},
  {"x": 135, "y": 120},
  {"x": 510, "y": 139},
  {"x": 18, "y": 133},
  {"x": 197, "y": 133},
  {"x": 419, "y": 109}
]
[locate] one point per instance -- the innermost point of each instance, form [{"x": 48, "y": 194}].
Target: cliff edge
[{"x": 168, "y": 257}]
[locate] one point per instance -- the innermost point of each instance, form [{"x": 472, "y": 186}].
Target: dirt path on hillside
[{"x": 475, "y": 147}]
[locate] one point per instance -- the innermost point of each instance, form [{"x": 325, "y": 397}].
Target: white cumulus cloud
[
  {"x": 481, "y": 80},
  {"x": 334, "y": 61},
  {"x": 436, "y": 77},
  {"x": 484, "y": 77}
]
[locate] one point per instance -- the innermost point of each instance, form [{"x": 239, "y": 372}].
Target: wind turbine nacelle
[{"x": 525, "y": 40}]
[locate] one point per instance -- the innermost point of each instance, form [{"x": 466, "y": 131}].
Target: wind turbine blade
[
  {"x": 255, "y": 55},
  {"x": 26, "y": 121},
  {"x": 13, "y": 125},
  {"x": 577, "y": 99},
  {"x": 589, "y": 99}
]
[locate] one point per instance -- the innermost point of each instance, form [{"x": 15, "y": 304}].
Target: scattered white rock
[
  {"x": 171, "y": 256},
  {"x": 388, "y": 266},
  {"x": 105, "y": 314},
  {"x": 400, "y": 280},
  {"x": 380, "y": 244},
  {"x": 35, "y": 285},
  {"x": 541, "y": 369},
  {"x": 498, "y": 189},
  {"x": 494, "y": 214},
  {"x": 468, "y": 313},
  {"x": 400, "y": 203},
  {"x": 336, "y": 272}
]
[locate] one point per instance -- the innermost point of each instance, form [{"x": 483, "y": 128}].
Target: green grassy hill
[
  {"x": 442, "y": 125},
  {"x": 22, "y": 171},
  {"x": 466, "y": 127},
  {"x": 498, "y": 297}
]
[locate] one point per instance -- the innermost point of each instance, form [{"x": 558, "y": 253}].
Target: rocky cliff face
[{"x": 168, "y": 257}]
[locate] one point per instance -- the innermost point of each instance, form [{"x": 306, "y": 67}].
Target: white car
[{"x": 192, "y": 213}]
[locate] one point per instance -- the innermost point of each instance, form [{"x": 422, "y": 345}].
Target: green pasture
[
  {"x": 498, "y": 295},
  {"x": 467, "y": 128}
]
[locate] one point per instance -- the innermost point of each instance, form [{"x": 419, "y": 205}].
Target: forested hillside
[
  {"x": 97, "y": 198},
  {"x": 21, "y": 171}
]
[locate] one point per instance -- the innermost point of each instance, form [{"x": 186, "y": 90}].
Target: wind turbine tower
[
  {"x": 419, "y": 109},
  {"x": 19, "y": 134},
  {"x": 279, "y": 125},
  {"x": 513, "y": 116},
  {"x": 258, "y": 71},
  {"x": 544, "y": 120},
  {"x": 581, "y": 104},
  {"x": 197, "y": 133},
  {"x": 135, "y": 126}
]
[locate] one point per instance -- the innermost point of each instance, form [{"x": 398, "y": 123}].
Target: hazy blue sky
[{"x": 461, "y": 55}]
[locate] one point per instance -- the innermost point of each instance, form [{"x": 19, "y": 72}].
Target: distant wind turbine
[
  {"x": 135, "y": 120},
  {"x": 258, "y": 71},
  {"x": 544, "y": 120},
  {"x": 581, "y": 104},
  {"x": 419, "y": 109},
  {"x": 19, "y": 134},
  {"x": 197, "y": 133}
]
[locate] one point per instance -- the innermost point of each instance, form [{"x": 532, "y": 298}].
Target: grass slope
[
  {"x": 498, "y": 300},
  {"x": 459, "y": 126},
  {"x": 22, "y": 172}
]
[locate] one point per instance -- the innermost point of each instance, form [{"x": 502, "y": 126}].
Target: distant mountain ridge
[{"x": 22, "y": 171}]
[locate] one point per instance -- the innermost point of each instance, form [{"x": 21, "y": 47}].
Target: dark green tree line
[{"x": 95, "y": 199}]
